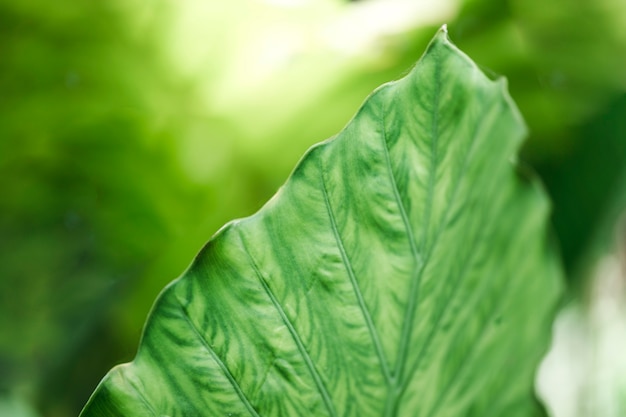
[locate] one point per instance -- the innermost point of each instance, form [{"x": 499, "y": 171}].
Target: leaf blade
[{"x": 343, "y": 295}]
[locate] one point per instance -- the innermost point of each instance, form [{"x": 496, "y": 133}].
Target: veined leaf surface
[{"x": 402, "y": 270}]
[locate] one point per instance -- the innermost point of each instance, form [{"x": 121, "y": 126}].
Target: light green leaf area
[{"x": 404, "y": 269}]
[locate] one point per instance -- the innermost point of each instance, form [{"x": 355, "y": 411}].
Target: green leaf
[{"x": 403, "y": 270}]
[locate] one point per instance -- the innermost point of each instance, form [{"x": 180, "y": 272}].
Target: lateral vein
[
  {"x": 462, "y": 172},
  {"x": 294, "y": 334},
  {"x": 142, "y": 397},
  {"x": 413, "y": 297},
  {"x": 220, "y": 363},
  {"x": 355, "y": 285}
]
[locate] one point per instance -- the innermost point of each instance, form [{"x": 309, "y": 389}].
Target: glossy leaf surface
[{"x": 402, "y": 270}]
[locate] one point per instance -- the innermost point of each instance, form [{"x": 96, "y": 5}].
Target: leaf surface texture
[{"x": 402, "y": 270}]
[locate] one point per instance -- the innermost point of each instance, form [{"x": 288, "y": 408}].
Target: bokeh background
[{"x": 131, "y": 130}]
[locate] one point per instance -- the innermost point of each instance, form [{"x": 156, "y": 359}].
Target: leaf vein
[
  {"x": 420, "y": 262},
  {"x": 444, "y": 223},
  {"x": 355, "y": 285},
  {"x": 142, "y": 397},
  {"x": 443, "y": 393},
  {"x": 413, "y": 302},
  {"x": 294, "y": 334},
  {"x": 242, "y": 396}
]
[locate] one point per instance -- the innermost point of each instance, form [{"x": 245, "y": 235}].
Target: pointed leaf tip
[{"x": 442, "y": 34}]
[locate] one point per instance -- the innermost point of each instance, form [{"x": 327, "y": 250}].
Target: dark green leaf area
[{"x": 402, "y": 270}]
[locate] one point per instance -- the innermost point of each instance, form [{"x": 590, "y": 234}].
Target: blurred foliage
[
  {"x": 87, "y": 201},
  {"x": 15, "y": 407},
  {"x": 584, "y": 373},
  {"x": 130, "y": 131}
]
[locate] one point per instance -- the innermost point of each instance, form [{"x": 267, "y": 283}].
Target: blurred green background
[{"x": 131, "y": 130}]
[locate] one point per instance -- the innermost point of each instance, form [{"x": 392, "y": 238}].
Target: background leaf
[{"x": 403, "y": 269}]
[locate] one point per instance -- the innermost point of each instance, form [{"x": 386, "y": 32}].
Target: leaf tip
[
  {"x": 441, "y": 41},
  {"x": 442, "y": 35}
]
